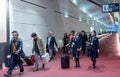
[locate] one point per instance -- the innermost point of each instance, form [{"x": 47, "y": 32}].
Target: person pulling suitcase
[{"x": 75, "y": 43}]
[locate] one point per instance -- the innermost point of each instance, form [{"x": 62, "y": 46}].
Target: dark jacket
[
  {"x": 65, "y": 41},
  {"x": 52, "y": 43},
  {"x": 75, "y": 42},
  {"x": 83, "y": 39},
  {"x": 94, "y": 46}
]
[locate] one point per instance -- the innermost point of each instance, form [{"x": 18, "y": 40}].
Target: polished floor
[{"x": 106, "y": 66}]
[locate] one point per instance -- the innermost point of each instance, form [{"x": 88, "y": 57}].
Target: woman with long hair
[
  {"x": 94, "y": 48},
  {"x": 65, "y": 42}
]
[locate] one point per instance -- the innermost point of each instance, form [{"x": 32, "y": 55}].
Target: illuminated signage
[{"x": 113, "y": 7}]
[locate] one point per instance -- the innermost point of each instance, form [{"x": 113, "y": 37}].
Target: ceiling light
[
  {"x": 84, "y": 10},
  {"x": 66, "y": 15},
  {"x": 90, "y": 16},
  {"x": 74, "y": 1},
  {"x": 79, "y": 18},
  {"x": 94, "y": 18}
]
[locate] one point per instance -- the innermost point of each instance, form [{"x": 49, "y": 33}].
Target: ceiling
[
  {"x": 92, "y": 8},
  {"x": 107, "y": 1}
]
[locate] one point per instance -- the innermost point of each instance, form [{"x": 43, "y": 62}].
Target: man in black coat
[
  {"x": 50, "y": 45},
  {"x": 83, "y": 38}
]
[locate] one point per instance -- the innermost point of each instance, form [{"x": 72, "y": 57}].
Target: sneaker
[
  {"x": 35, "y": 70},
  {"x": 7, "y": 75},
  {"x": 15, "y": 68}
]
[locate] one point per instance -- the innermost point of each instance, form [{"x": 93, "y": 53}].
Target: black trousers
[
  {"x": 52, "y": 52},
  {"x": 16, "y": 60},
  {"x": 94, "y": 62},
  {"x": 84, "y": 49},
  {"x": 76, "y": 55},
  {"x": 65, "y": 49}
]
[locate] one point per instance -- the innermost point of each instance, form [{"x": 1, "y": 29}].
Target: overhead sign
[{"x": 113, "y": 7}]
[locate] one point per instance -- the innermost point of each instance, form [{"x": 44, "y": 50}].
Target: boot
[
  {"x": 43, "y": 65},
  {"x": 94, "y": 66},
  {"x": 78, "y": 64}
]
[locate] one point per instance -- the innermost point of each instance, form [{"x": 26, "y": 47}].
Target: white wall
[
  {"x": 27, "y": 18},
  {"x": 3, "y": 27}
]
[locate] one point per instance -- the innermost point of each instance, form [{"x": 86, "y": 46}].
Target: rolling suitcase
[{"x": 65, "y": 61}]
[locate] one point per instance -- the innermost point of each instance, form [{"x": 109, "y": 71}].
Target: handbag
[
  {"x": 8, "y": 61},
  {"x": 33, "y": 59},
  {"x": 45, "y": 58}
]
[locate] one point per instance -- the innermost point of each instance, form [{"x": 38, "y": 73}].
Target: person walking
[
  {"x": 16, "y": 49},
  {"x": 94, "y": 48},
  {"x": 50, "y": 45},
  {"x": 76, "y": 47},
  {"x": 38, "y": 49}
]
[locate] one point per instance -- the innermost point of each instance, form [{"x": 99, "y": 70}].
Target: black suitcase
[
  {"x": 65, "y": 61},
  {"x": 28, "y": 61}
]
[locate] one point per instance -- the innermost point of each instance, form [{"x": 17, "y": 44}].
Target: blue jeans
[
  {"x": 36, "y": 60},
  {"x": 16, "y": 60}
]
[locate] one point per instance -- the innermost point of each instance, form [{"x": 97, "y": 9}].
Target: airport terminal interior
[{"x": 59, "y": 38}]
